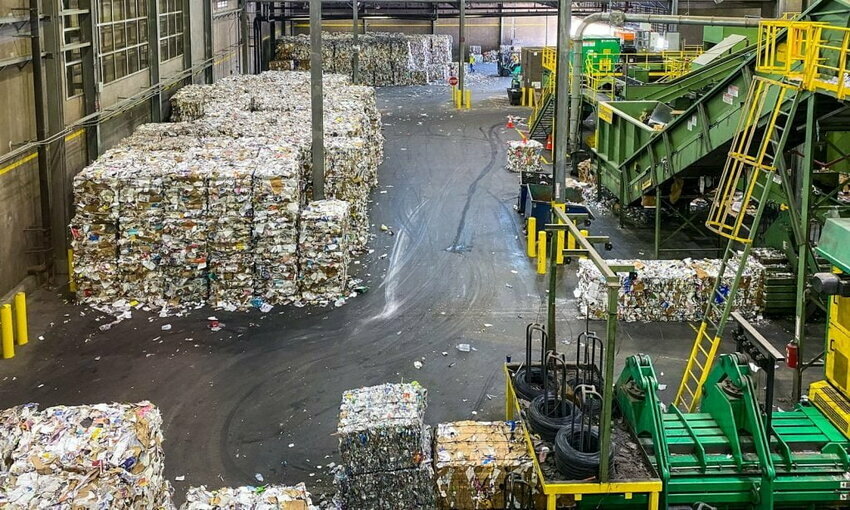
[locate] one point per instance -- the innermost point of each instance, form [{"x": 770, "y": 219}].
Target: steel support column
[
  {"x": 561, "y": 126},
  {"x": 208, "y": 40},
  {"x": 41, "y": 127},
  {"x": 355, "y": 57},
  {"x": 54, "y": 104},
  {"x": 153, "y": 60},
  {"x": 802, "y": 245},
  {"x": 316, "y": 98},
  {"x": 244, "y": 37},
  {"x": 461, "y": 48},
  {"x": 551, "y": 326},
  {"x": 90, "y": 93}
]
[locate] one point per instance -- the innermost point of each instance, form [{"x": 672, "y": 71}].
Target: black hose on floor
[
  {"x": 548, "y": 415},
  {"x": 530, "y": 386},
  {"x": 577, "y": 452}
]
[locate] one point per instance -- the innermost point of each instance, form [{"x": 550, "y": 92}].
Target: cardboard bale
[{"x": 473, "y": 461}]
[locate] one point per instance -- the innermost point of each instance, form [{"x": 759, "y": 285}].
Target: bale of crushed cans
[{"x": 385, "y": 448}]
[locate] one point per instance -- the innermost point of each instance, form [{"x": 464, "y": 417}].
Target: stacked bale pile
[
  {"x": 98, "y": 456},
  {"x": 385, "y": 58},
  {"x": 385, "y": 448},
  {"x": 207, "y": 210},
  {"x": 669, "y": 290}
]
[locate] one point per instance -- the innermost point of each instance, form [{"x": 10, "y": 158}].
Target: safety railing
[
  {"x": 827, "y": 68},
  {"x": 811, "y": 53},
  {"x": 550, "y": 58}
]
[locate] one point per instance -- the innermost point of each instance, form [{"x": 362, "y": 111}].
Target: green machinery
[{"x": 725, "y": 455}]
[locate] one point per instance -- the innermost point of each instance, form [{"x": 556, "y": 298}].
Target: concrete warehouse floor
[{"x": 261, "y": 396}]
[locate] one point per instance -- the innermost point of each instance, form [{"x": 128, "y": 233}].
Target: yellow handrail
[{"x": 811, "y": 53}]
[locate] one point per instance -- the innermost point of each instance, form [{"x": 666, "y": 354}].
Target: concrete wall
[{"x": 19, "y": 188}]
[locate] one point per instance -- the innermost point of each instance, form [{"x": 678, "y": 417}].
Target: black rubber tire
[
  {"x": 561, "y": 414},
  {"x": 575, "y": 461},
  {"x": 531, "y": 388}
]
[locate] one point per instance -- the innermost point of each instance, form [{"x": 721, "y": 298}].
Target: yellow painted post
[
  {"x": 467, "y": 99},
  {"x": 454, "y": 92},
  {"x": 532, "y": 237},
  {"x": 21, "y": 332},
  {"x": 72, "y": 285},
  {"x": 559, "y": 254},
  {"x": 7, "y": 337},
  {"x": 541, "y": 252},
  {"x": 584, "y": 233}
]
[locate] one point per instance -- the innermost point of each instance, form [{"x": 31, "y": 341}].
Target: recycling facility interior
[{"x": 216, "y": 247}]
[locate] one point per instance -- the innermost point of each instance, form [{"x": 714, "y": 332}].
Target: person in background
[{"x": 471, "y": 63}]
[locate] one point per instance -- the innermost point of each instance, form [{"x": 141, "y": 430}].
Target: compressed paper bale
[
  {"x": 669, "y": 290},
  {"x": 89, "y": 457},
  {"x": 381, "y": 428},
  {"x": 268, "y": 497},
  {"x": 473, "y": 460},
  {"x": 524, "y": 156}
]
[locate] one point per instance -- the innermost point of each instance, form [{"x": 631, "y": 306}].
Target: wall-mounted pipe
[{"x": 618, "y": 18}]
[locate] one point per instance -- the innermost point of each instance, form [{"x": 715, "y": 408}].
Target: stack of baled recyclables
[
  {"x": 214, "y": 208},
  {"x": 384, "y": 58}
]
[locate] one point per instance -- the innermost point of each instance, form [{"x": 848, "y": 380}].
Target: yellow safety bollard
[
  {"x": 541, "y": 252},
  {"x": 559, "y": 254},
  {"x": 72, "y": 286},
  {"x": 21, "y": 330},
  {"x": 584, "y": 233},
  {"x": 7, "y": 337},
  {"x": 467, "y": 99},
  {"x": 532, "y": 237}
]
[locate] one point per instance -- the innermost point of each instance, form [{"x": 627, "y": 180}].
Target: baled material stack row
[
  {"x": 83, "y": 457},
  {"x": 669, "y": 290},
  {"x": 211, "y": 209},
  {"x": 385, "y": 448},
  {"x": 384, "y": 59}
]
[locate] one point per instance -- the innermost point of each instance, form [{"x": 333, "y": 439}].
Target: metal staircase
[
  {"x": 736, "y": 212},
  {"x": 541, "y": 124}
]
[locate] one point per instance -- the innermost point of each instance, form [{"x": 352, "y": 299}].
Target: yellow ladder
[{"x": 739, "y": 202}]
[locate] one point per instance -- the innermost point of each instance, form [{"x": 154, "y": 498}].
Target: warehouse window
[
  {"x": 123, "y": 29},
  {"x": 72, "y": 45},
  {"x": 170, "y": 29}
]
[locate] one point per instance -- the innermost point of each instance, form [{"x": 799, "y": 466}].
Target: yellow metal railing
[
  {"x": 752, "y": 151},
  {"x": 550, "y": 58},
  {"x": 811, "y": 53},
  {"x": 827, "y": 65}
]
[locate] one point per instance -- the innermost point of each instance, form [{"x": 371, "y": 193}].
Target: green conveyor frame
[{"x": 723, "y": 455}]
